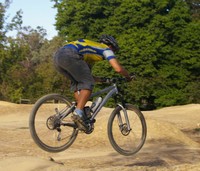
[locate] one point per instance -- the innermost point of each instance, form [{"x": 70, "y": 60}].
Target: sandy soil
[{"x": 173, "y": 144}]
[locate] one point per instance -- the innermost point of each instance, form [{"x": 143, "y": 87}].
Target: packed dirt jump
[{"x": 172, "y": 144}]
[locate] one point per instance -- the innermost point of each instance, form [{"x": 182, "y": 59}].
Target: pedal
[{"x": 79, "y": 122}]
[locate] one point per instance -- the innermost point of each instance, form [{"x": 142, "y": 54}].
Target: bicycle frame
[{"x": 111, "y": 90}]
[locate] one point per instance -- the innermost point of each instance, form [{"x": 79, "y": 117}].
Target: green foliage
[
  {"x": 27, "y": 67},
  {"x": 159, "y": 41},
  {"x": 194, "y": 8}
]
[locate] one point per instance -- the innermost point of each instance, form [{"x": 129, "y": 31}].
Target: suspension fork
[{"x": 125, "y": 116}]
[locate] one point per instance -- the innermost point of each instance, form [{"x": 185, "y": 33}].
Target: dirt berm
[{"x": 173, "y": 144}]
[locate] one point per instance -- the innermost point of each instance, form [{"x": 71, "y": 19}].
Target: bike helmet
[{"x": 109, "y": 40}]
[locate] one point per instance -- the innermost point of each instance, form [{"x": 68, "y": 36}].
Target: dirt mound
[
  {"x": 168, "y": 133},
  {"x": 184, "y": 117},
  {"x": 24, "y": 164},
  {"x": 167, "y": 146}
]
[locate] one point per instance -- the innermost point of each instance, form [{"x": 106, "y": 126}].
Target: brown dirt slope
[{"x": 173, "y": 144}]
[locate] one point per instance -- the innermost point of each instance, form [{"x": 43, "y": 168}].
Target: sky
[{"x": 35, "y": 13}]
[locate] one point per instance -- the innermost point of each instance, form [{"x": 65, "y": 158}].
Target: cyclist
[{"x": 75, "y": 60}]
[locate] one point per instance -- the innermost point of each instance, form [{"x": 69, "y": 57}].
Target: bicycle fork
[{"x": 124, "y": 126}]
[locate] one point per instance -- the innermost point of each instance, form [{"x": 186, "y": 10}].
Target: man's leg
[{"x": 82, "y": 97}]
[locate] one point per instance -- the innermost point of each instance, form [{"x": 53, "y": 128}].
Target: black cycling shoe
[{"x": 79, "y": 122}]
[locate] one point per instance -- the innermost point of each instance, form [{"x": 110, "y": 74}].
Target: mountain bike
[{"x": 53, "y": 130}]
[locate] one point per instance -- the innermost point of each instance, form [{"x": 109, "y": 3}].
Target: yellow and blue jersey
[{"x": 92, "y": 51}]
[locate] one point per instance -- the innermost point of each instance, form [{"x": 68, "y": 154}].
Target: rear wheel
[
  {"x": 124, "y": 140},
  {"x": 47, "y": 130}
]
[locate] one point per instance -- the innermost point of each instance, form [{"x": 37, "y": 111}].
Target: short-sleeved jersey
[{"x": 92, "y": 51}]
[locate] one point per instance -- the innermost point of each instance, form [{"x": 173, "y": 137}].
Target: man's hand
[{"x": 131, "y": 77}]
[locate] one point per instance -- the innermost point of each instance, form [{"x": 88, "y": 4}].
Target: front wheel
[
  {"x": 127, "y": 130},
  {"x": 48, "y": 130}
]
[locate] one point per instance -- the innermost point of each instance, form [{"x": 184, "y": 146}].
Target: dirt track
[{"x": 172, "y": 144}]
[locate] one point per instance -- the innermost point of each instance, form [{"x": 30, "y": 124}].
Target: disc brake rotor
[{"x": 124, "y": 129}]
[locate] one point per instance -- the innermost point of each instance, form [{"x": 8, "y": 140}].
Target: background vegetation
[{"x": 159, "y": 41}]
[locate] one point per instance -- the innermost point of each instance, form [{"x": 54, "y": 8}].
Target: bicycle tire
[
  {"x": 40, "y": 132},
  {"x": 131, "y": 143}
]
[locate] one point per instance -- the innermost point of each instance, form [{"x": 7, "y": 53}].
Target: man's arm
[{"x": 118, "y": 68}]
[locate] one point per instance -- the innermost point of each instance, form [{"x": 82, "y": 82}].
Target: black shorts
[{"x": 68, "y": 62}]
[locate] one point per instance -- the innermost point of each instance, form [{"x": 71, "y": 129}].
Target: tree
[
  {"x": 85, "y": 18},
  {"x": 19, "y": 63},
  {"x": 26, "y": 67},
  {"x": 194, "y": 8},
  {"x": 159, "y": 42},
  {"x": 3, "y": 7}
]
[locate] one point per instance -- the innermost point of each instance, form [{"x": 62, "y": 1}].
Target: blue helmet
[{"x": 110, "y": 41}]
